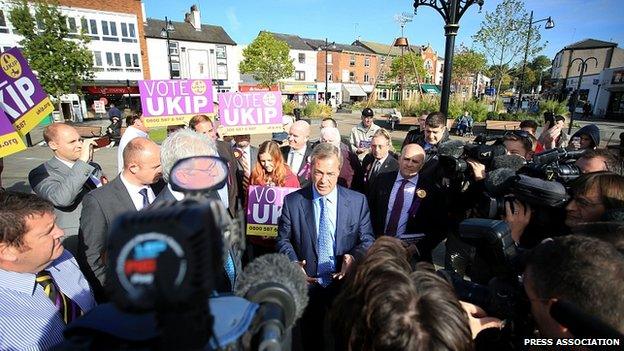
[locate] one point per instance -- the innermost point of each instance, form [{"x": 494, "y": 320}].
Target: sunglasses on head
[{"x": 519, "y": 133}]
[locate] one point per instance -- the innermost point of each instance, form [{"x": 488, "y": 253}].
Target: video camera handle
[
  {"x": 581, "y": 324},
  {"x": 550, "y": 156}
]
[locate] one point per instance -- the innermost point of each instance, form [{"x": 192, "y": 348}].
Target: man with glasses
[{"x": 599, "y": 160}]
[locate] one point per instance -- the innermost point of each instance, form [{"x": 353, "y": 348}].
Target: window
[
  {"x": 329, "y": 58},
  {"x": 174, "y": 48},
  {"x": 352, "y": 61},
  {"x": 71, "y": 25},
  {"x": 113, "y": 28},
  {"x": 128, "y": 60},
  {"x": 117, "y": 59},
  {"x": 329, "y": 76},
  {"x": 428, "y": 65},
  {"x": 131, "y": 32},
  {"x": 127, "y": 32},
  {"x": 366, "y": 77},
  {"x": 89, "y": 27},
  {"x": 97, "y": 58},
  {"x": 175, "y": 70},
  {"x": 124, "y": 29},
  {"x": 221, "y": 54},
  {"x": 367, "y": 62},
  {"x": 222, "y": 72},
  {"x": 105, "y": 28},
  {"x": 3, "y": 25},
  {"x": 299, "y": 75},
  {"x": 93, "y": 24},
  {"x": 302, "y": 58},
  {"x": 352, "y": 77},
  {"x": 135, "y": 60},
  {"x": 109, "y": 58}
]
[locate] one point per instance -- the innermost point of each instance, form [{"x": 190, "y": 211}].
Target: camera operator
[
  {"x": 598, "y": 160},
  {"x": 519, "y": 142},
  {"x": 594, "y": 195},
  {"x": 583, "y": 271}
]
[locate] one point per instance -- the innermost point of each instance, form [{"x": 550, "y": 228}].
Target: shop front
[
  {"x": 124, "y": 97},
  {"x": 298, "y": 92}
]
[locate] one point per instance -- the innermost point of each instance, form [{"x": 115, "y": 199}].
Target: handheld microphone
[{"x": 280, "y": 288}]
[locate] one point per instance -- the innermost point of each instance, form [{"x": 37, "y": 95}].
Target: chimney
[{"x": 195, "y": 19}]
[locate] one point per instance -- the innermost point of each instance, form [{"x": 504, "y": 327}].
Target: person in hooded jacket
[{"x": 586, "y": 138}]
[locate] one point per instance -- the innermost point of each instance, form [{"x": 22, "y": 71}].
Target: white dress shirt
[
  {"x": 135, "y": 195},
  {"x": 408, "y": 197},
  {"x": 127, "y": 136},
  {"x": 295, "y": 159}
]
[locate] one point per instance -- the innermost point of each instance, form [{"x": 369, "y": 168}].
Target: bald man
[
  {"x": 130, "y": 191},
  {"x": 297, "y": 153},
  {"x": 67, "y": 177},
  {"x": 407, "y": 206}
]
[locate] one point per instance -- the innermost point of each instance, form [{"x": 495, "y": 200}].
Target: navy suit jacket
[{"x": 297, "y": 237}]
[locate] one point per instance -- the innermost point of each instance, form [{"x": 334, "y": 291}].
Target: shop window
[
  {"x": 3, "y": 25},
  {"x": 301, "y": 58},
  {"x": 299, "y": 75}
]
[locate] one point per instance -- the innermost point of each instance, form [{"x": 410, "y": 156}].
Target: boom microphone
[
  {"x": 514, "y": 162},
  {"x": 452, "y": 148},
  {"x": 280, "y": 287},
  {"x": 497, "y": 181}
]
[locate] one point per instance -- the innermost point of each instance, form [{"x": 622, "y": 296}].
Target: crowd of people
[{"x": 364, "y": 226}]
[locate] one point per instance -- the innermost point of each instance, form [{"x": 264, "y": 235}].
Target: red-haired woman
[{"x": 270, "y": 170}]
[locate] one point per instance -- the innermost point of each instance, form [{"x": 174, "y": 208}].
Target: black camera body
[
  {"x": 454, "y": 165},
  {"x": 556, "y": 164}
]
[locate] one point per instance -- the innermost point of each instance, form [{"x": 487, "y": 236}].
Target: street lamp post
[
  {"x": 549, "y": 24},
  {"x": 326, "y": 48},
  {"x": 582, "y": 69},
  {"x": 168, "y": 28},
  {"x": 451, "y": 11}
]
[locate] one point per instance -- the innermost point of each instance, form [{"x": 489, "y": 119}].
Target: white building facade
[{"x": 196, "y": 51}]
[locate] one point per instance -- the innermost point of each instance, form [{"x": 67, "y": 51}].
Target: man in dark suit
[
  {"x": 130, "y": 191},
  {"x": 324, "y": 228},
  {"x": 409, "y": 206},
  {"x": 297, "y": 153},
  {"x": 204, "y": 125},
  {"x": 379, "y": 160},
  {"x": 66, "y": 178},
  {"x": 186, "y": 143}
]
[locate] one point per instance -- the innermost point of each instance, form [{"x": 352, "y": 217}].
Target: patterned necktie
[
  {"x": 374, "y": 170},
  {"x": 68, "y": 309},
  {"x": 143, "y": 193},
  {"x": 230, "y": 270},
  {"x": 326, "y": 258},
  {"x": 397, "y": 207},
  {"x": 242, "y": 161}
]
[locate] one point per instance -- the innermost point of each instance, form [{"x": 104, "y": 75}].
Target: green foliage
[
  {"x": 477, "y": 109},
  {"x": 314, "y": 110},
  {"x": 540, "y": 63},
  {"x": 267, "y": 59},
  {"x": 62, "y": 65},
  {"x": 467, "y": 62},
  {"x": 412, "y": 65},
  {"x": 288, "y": 107},
  {"x": 554, "y": 106},
  {"x": 359, "y": 105}
]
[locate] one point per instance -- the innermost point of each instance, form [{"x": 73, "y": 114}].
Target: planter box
[{"x": 501, "y": 125}]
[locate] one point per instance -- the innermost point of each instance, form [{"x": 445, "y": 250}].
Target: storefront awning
[
  {"x": 430, "y": 88},
  {"x": 354, "y": 89}
]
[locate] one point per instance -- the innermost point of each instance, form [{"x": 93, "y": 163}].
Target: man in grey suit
[
  {"x": 130, "y": 191},
  {"x": 67, "y": 177}
]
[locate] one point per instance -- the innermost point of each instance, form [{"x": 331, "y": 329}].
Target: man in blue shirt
[{"x": 41, "y": 286}]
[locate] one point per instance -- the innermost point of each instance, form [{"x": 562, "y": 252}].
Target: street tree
[
  {"x": 411, "y": 65},
  {"x": 267, "y": 59},
  {"x": 61, "y": 60},
  {"x": 502, "y": 37},
  {"x": 466, "y": 64}
]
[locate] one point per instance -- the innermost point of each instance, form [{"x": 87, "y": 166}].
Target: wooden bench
[
  {"x": 502, "y": 125},
  {"x": 88, "y": 131}
]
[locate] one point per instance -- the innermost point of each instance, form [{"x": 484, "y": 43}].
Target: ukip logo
[{"x": 10, "y": 65}]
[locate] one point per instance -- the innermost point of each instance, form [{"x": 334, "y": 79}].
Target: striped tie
[
  {"x": 68, "y": 309},
  {"x": 242, "y": 161}
]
